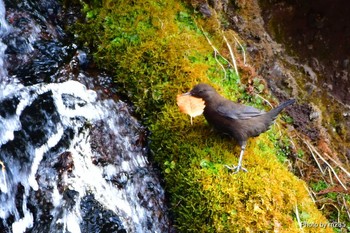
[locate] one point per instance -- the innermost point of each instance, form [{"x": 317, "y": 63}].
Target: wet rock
[
  {"x": 219, "y": 5},
  {"x": 74, "y": 158},
  {"x": 320, "y": 27},
  {"x": 97, "y": 219},
  {"x": 301, "y": 121},
  {"x": 8, "y": 107},
  {"x": 36, "y": 45},
  {"x": 328, "y": 86},
  {"x": 120, "y": 179},
  {"x": 310, "y": 88},
  {"x": 65, "y": 162},
  {"x": 70, "y": 197},
  {"x": 52, "y": 157},
  {"x": 309, "y": 72},
  {"x": 315, "y": 114},
  {"x": 205, "y": 10},
  {"x": 346, "y": 114}
]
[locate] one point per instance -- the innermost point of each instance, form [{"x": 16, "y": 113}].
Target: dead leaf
[
  {"x": 335, "y": 189},
  {"x": 190, "y": 105}
]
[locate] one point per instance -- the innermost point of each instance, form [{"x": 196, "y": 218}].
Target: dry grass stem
[
  {"x": 310, "y": 193},
  {"x": 341, "y": 167},
  {"x": 232, "y": 55},
  {"x": 243, "y": 50},
  {"x": 330, "y": 167},
  {"x": 298, "y": 218},
  {"x": 313, "y": 155},
  {"x": 334, "y": 207},
  {"x": 268, "y": 102},
  {"x": 216, "y": 52},
  {"x": 330, "y": 176}
]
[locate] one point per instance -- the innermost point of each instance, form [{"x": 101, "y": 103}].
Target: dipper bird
[{"x": 236, "y": 120}]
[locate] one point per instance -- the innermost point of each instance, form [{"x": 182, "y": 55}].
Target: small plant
[
  {"x": 169, "y": 166},
  {"x": 204, "y": 163},
  {"x": 258, "y": 85},
  {"x": 319, "y": 186},
  {"x": 300, "y": 153},
  {"x": 288, "y": 119}
]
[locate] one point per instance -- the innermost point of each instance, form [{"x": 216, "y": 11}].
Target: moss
[
  {"x": 140, "y": 43},
  {"x": 243, "y": 201},
  {"x": 157, "y": 49}
]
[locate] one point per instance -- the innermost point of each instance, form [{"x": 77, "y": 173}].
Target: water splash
[
  {"x": 69, "y": 148},
  {"x": 4, "y": 30},
  {"x": 70, "y": 159}
]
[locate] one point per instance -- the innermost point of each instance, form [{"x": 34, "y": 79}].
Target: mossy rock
[
  {"x": 158, "y": 49},
  {"x": 206, "y": 197}
]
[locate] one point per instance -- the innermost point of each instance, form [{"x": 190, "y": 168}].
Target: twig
[
  {"x": 313, "y": 155},
  {"x": 216, "y": 51},
  {"x": 335, "y": 174},
  {"x": 298, "y": 218},
  {"x": 268, "y": 102},
  {"x": 221, "y": 65},
  {"x": 330, "y": 176},
  {"x": 313, "y": 152},
  {"x": 342, "y": 168},
  {"x": 240, "y": 45},
  {"x": 310, "y": 193},
  {"x": 334, "y": 207},
  {"x": 292, "y": 142},
  {"x": 232, "y": 55}
]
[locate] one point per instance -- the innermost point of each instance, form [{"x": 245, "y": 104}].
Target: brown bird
[{"x": 236, "y": 120}]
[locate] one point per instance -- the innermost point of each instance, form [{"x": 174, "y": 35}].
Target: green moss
[
  {"x": 140, "y": 43},
  {"x": 156, "y": 50},
  {"x": 319, "y": 186}
]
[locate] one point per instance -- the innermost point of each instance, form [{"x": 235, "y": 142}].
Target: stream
[{"x": 72, "y": 156}]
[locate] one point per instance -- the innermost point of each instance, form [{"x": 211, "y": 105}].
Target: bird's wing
[{"x": 238, "y": 111}]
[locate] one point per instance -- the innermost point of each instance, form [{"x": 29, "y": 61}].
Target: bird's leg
[{"x": 239, "y": 166}]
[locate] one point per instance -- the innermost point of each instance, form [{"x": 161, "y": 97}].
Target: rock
[{"x": 205, "y": 10}]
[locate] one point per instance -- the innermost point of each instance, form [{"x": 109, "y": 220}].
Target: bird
[{"x": 239, "y": 121}]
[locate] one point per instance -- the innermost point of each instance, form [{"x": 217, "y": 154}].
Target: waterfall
[
  {"x": 72, "y": 158},
  {"x": 4, "y": 29}
]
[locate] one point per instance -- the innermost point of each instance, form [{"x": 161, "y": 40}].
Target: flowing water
[{"x": 72, "y": 157}]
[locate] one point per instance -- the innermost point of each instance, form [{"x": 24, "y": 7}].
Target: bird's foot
[{"x": 236, "y": 169}]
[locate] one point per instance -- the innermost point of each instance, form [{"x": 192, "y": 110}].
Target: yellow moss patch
[{"x": 264, "y": 199}]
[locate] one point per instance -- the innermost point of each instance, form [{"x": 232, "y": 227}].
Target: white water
[
  {"x": 44, "y": 124},
  {"x": 4, "y": 29},
  {"x": 86, "y": 177}
]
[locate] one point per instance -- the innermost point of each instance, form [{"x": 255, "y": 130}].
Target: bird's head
[{"x": 203, "y": 91}]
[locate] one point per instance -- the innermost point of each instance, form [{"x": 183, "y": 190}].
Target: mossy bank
[{"x": 158, "y": 49}]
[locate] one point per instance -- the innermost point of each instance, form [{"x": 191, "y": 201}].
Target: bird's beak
[{"x": 187, "y": 93}]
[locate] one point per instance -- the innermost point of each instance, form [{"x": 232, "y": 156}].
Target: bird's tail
[
  {"x": 266, "y": 120},
  {"x": 274, "y": 112}
]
